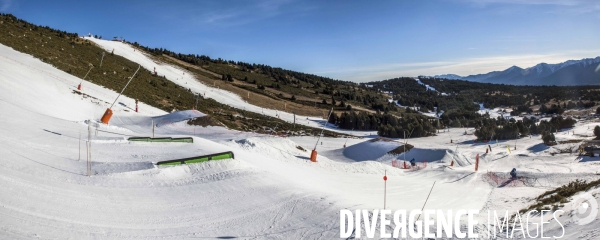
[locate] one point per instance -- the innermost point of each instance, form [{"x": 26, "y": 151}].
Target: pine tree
[
  {"x": 543, "y": 109},
  {"x": 548, "y": 138}
]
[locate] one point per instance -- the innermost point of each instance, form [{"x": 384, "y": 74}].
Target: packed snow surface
[{"x": 271, "y": 190}]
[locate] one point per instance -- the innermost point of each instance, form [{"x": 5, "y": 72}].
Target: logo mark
[{"x": 586, "y": 209}]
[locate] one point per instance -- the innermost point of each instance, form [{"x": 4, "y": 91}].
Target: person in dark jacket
[
  {"x": 513, "y": 173},
  {"x": 412, "y": 162}
]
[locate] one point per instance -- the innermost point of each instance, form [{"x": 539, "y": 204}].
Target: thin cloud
[
  {"x": 240, "y": 14},
  {"x": 385, "y": 67},
  {"x": 5, "y": 5},
  {"x": 533, "y": 2},
  {"x": 505, "y": 7},
  {"x": 462, "y": 67}
]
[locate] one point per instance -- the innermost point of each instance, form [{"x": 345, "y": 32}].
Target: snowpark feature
[
  {"x": 269, "y": 191},
  {"x": 199, "y": 159}
]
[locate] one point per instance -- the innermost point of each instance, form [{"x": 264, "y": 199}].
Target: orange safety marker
[
  {"x": 107, "y": 115},
  {"x": 313, "y": 156}
]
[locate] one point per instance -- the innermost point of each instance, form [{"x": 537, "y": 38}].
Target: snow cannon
[
  {"x": 107, "y": 115},
  {"x": 79, "y": 87},
  {"x": 313, "y": 156}
]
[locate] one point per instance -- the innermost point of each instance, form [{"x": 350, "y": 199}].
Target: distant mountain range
[{"x": 573, "y": 72}]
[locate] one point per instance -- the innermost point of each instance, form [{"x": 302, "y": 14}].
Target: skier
[
  {"x": 513, "y": 173},
  {"x": 412, "y": 162}
]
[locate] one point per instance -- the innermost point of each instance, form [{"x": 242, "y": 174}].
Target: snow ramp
[
  {"x": 436, "y": 155},
  {"x": 370, "y": 150},
  {"x": 177, "y": 117}
]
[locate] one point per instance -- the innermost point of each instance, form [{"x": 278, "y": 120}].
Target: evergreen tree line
[
  {"x": 24, "y": 24},
  {"x": 386, "y": 125},
  {"x": 496, "y": 95},
  {"x": 502, "y": 129},
  {"x": 278, "y": 74}
]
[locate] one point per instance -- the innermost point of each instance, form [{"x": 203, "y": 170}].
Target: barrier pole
[
  {"x": 384, "y": 187},
  {"x": 426, "y": 200}
]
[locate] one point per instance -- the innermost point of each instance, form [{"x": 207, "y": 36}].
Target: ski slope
[
  {"x": 429, "y": 87},
  {"x": 185, "y": 79},
  {"x": 269, "y": 191}
]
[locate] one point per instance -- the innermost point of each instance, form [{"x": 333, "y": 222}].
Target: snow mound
[
  {"x": 272, "y": 146},
  {"x": 177, "y": 117},
  {"x": 102, "y": 168},
  {"x": 207, "y": 171},
  {"x": 445, "y": 156},
  {"x": 369, "y": 150}
]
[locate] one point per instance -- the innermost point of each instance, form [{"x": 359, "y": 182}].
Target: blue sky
[{"x": 347, "y": 40}]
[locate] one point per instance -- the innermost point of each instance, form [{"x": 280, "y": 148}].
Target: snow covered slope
[
  {"x": 184, "y": 78},
  {"x": 269, "y": 191}
]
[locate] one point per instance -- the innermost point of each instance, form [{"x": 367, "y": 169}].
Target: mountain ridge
[{"x": 570, "y": 72}]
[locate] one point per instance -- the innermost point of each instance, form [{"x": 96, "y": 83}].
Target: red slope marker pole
[{"x": 384, "y": 188}]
